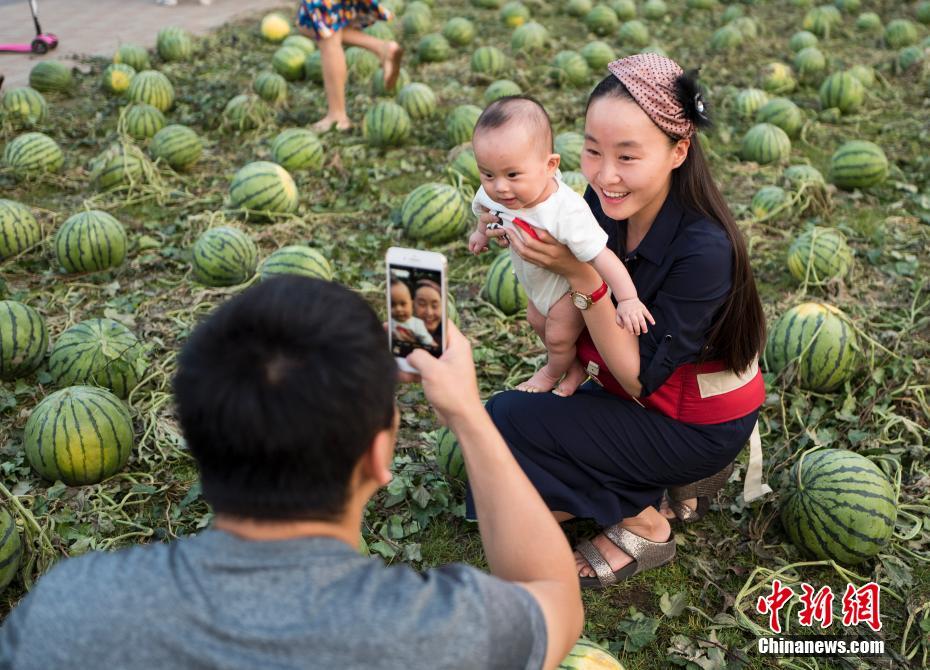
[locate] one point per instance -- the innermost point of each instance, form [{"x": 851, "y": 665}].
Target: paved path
[{"x": 98, "y": 27}]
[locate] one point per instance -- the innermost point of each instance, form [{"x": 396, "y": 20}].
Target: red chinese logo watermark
[{"x": 860, "y": 605}]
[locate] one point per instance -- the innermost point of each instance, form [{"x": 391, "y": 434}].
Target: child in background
[
  {"x": 513, "y": 146},
  {"x": 333, "y": 23},
  {"x": 404, "y": 325}
]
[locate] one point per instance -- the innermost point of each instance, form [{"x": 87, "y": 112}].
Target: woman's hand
[{"x": 546, "y": 252}]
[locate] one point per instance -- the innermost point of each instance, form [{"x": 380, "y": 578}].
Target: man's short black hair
[
  {"x": 279, "y": 393},
  {"x": 523, "y": 108}
]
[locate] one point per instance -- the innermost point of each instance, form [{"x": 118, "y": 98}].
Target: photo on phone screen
[{"x": 415, "y": 306}]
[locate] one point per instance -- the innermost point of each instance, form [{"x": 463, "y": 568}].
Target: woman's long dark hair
[{"x": 738, "y": 333}]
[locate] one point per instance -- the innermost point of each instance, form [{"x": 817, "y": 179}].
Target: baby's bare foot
[
  {"x": 541, "y": 382},
  {"x": 571, "y": 381}
]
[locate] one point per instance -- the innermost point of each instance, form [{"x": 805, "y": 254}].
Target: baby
[
  {"x": 405, "y": 326},
  {"x": 513, "y": 146}
]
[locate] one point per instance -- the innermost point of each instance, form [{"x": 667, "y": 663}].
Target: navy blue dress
[{"x": 596, "y": 455}]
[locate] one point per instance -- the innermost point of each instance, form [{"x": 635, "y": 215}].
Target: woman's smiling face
[
  {"x": 627, "y": 159},
  {"x": 427, "y": 305}
]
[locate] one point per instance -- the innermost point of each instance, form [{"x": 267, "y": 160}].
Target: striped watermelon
[
  {"x": 289, "y": 62},
  {"x": 514, "y": 14},
  {"x": 460, "y": 123},
  {"x": 810, "y": 64},
  {"x": 568, "y": 146},
  {"x": 435, "y": 213},
  {"x": 262, "y": 189},
  {"x": 529, "y": 38},
  {"x": 569, "y": 68},
  {"x": 305, "y": 44},
  {"x": 588, "y": 655},
  {"x": 134, "y": 56},
  {"x": 270, "y": 87},
  {"x": 489, "y": 61},
  {"x": 575, "y": 181},
  {"x": 898, "y": 33},
  {"x": 79, "y": 435},
  {"x": 727, "y": 38},
  {"x": 297, "y": 149},
  {"x": 19, "y": 229},
  {"x": 143, "y": 121},
  {"x": 296, "y": 259},
  {"x": 624, "y": 9},
  {"x": 418, "y": 100},
  {"x": 416, "y": 23},
  {"x": 768, "y": 200},
  {"x": 50, "y": 76},
  {"x": 23, "y": 339},
  {"x": 869, "y": 22},
  {"x": 119, "y": 165},
  {"x": 634, "y": 33},
  {"x": 275, "y": 27},
  {"x": 819, "y": 255},
  {"x": 449, "y": 456},
  {"x": 802, "y": 40},
  {"x": 90, "y": 241},
  {"x": 459, "y": 31},
  {"x": 117, "y": 78},
  {"x": 33, "y": 154},
  {"x": 799, "y": 176},
  {"x": 654, "y": 9},
  {"x": 465, "y": 165},
  {"x": 858, "y": 164},
  {"x": 777, "y": 78},
  {"x": 578, "y": 8},
  {"x": 598, "y": 54},
  {"x": 822, "y": 20},
  {"x": 246, "y": 112},
  {"x": 174, "y": 44},
  {"x": 377, "y": 83},
  {"x": 177, "y": 145},
  {"x": 838, "y": 505},
  {"x": 153, "y": 88},
  {"x": 500, "y": 89},
  {"x": 98, "y": 352},
  {"x": 864, "y": 73},
  {"x": 843, "y": 91},
  {"x": 501, "y": 287},
  {"x": 747, "y": 27},
  {"x": 224, "y": 256},
  {"x": 11, "y": 549},
  {"x": 783, "y": 113},
  {"x": 23, "y": 107},
  {"x": 433, "y": 48},
  {"x": 765, "y": 143},
  {"x": 820, "y": 340},
  {"x": 749, "y": 101},
  {"x": 386, "y": 124},
  {"x": 602, "y": 20},
  {"x": 361, "y": 64},
  {"x": 909, "y": 57}
]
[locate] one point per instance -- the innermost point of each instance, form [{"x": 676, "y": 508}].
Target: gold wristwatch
[{"x": 584, "y": 301}]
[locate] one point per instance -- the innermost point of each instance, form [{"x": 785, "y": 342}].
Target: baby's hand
[
  {"x": 632, "y": 315},
  {"x": 477, "y": 242}
]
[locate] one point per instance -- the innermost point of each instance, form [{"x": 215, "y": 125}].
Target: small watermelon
[
  {"x": 153, "y": 88},
  {"x": 263, "y": 189},
  {"x": 275, "y": 27},
  {"x": 578, "y": 8},
  {"x": 783, "y": 113},
  {"x": 802, "y": 40},
  {"x": 305, "y": 44},
  {"x": 654, "y": 9},
  {"x": 727, "y": 38},
  {"x": 377, "y": 83},
  {"x": 380, "y": 29},
  {"x": 489, "y": 61},
  {"x": 569, "y": 145},
  {"x": 90, "y": 241},
  {"x": 822, "y": 20},
  {"x": 501, "y": 287},
  {"x": 433, "y": 48},
  {"x": 864, "y": 73},
  {"x": 416, "y": 23},
  {"x": 747, "y": 27},
  {"x": 602, "y": 20},
  {"x": 435, "y": 213},
  {"x": 297, "y": 259},
  {"x": 819, "y": 255},
  {"x": 598, "y": 54},
  {"x": 465, "y": 165},
  {"x": 134, "y": 56},
  {"x": 869, "y": 22},
  {"x": 624, "y": 9},
  {"x": 50, "y": 76},
  {"x": 117, "y": 78},
  {"x": 98, "y": 352},
  {"x": 224, "y": 256},
  {"x": 270, "y": 87},
  {"x": 460, "y": 123},
  {"x": 529, "y": 38},
  {"x": 418, "y": 100},
  {"x": 174, "y": 44},
  {"x": 777, "y": 78},
  {"x": 765, "y": 143},
  {"x": 246, "y": 111},
  {"x": 459, "y": 31},
  {"x": 898, "y": 33},
  {"x": 23, "y": 339},
  {"x": 25, "y": 107},
  {"x": 799, "y": 176},
  {"x": 19, "y": 229},
  {"x": 810, "y": 64},
  {"x": 768, "y": 200},
  {"x": 634, "y": 33},
  {"x": 11, "y": 549},
  {"x": 33, "y": 154},
  {"x": 449, "y": 456},
  {"x": 297, "y": 149},
  {"x": 289, "y": 62},
  {"x": 588, "y": 655},
  {"x": 749, "y": 101},
  {"x": 499, "y": 89},
  {"x": 842, "y": 91},
  {"x": 361, "y": 64},
  {"x": 514, "y": 14},
  {"x": 858, "y": 164},
  {"x": 177, "y": 145},
  {"x": 575, "y": 181},
  {"x": 386, "y": 124},
  {"x": 569, "y": 68},
  {"x": 142, "y": 120},
  {"x": 119, "y": 165}
]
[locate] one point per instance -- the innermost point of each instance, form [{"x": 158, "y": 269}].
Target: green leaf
[
  {"x": 639, "y": 630},
  {"x": 673, "y": 606}
]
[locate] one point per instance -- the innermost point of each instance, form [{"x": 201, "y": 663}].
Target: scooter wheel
[{"x": 39, "y": 47}]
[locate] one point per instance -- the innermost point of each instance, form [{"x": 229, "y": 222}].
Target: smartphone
[{"x": 416, "y": 302}]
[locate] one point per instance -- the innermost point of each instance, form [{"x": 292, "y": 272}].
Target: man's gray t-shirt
[{"x": 218, "y": 601}]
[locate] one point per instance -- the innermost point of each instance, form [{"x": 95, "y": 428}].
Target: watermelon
[
  {"x": 575, "y": 181},
  {"x": 514, "y": 14},
  {"x": 747, "y": 27},
  {"x": 23, "y": 339},
  {"x": 578, "y": 8},
  {"x": 529, "y": 38},
  {"x": 634, "y": 33},
  {"x": 602, "y": 20},
  {"x": 799, "y": 176},
  {"x": 313, "y": 67},
  {"x": 858, "y": 164},
  {"x": 98, "y": 352},
  {"x": 847, "y": 6},
  {"x": 869, "y": 22},
  {"x": 820, "y": 339},
  {"x": 435, "y": 213},
  {"x": 11, "y": 549},
  {"x": 923, "y": 12},
  {"x": 305, "y": 44},
  {"x": 79, "y": 435},
  {"x": 246, "y": 111},
  {"x": 501, "y": 287},
  {"x": 223, "y": 256},
  {"x": 19, "y": 229},
  {"x": 654, "y": 9},
  {"x": 449, "y": 456},
  {"x": 433, "y": 48},
  {"x": 90, "y": 241},
  {"x": 864, "y": 73},
  {"x": 459, "y": 31},
  {"x": 777, "y": 78},
  {"x": 460, "y": 123},
  {"x": 174, "y": 44},
  {"x": 765, "y": 143},
  {"x": 134, "y": 56},
  {"x": 908, "y": 57},
  {"x": 361, "y": 64},
  {"x": 819, "y": 255},
  {"x": 119, "y": 165},
  {"x": 32, "y": 154},
  {"x": 783, "y": 113},
  {"x": 289, "y": 62},
  {"x": 297, "y": 259},
  {"x": 838, "y": 505},
  {"x": 598, "y": 54},
  {"x": 50, "y": 76},
  {"x": 117, "y": 78},
  {"x": 569, "y": 145},
  {"x": 263, "y": 189},
  {"x": 153, "y": 88},
  {"x": 802, "y": 40},
  {"x": 25, "y": 107},
  {"x": 178, "y": 146},
  {"x": 842, "y": 91},
  {"x": 418, "y": 100},
  {"x": 730, "y": 13},
  {"x": 270, "y": 87},
  {"x": 569, "y": 68},
  {"x": 727, "y": 38},
  {"x": 769, "y": 200},
  {"x": 377, "y": 83},
  {"x": 465, "y": 165},
  {"x": 297, "y": 149},
  {"x": 380, "y": 29},
  {"x": 588, "y": 655},
  {"x": 749, "y": 101},
  {"x": 624, "y": 9},
  {"x": 822, "y": 20},
  {"x": 386, "y": 124},
  {"x": 142, "y": 121},
  {"x": 898, "y": 33},
  {"x": 275, "y": 27},
  {"x": 489, "y": 61},
  {"x": 499, "y": 89},
  {"x": 416, "y": 23},
  {"x": 810, "y": 64}
]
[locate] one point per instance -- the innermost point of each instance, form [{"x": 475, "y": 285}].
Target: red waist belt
[{"x": 702, "y": 393}]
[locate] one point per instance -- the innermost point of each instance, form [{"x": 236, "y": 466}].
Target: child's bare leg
[
  {"x": 536, "y": 319},
  {"x": 334, "y": 80},
  {"x": 389, "y": 53},
  {"x": 563, "y": 325}
]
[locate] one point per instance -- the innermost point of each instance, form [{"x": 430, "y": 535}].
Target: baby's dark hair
[{"x": 524, "y": 107}]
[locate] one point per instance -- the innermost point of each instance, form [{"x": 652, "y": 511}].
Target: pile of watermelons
[{"x": 137, "y": 194}]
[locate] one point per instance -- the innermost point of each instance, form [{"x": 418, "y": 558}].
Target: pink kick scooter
[{"x": 42, "y": 43}]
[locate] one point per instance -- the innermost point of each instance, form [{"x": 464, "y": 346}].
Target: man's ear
[
  {"x": 680, "y": 152},
  {"x": 376, "y": 463}
]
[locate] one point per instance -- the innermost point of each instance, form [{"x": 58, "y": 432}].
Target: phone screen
[{"x": 415, "y": 310}]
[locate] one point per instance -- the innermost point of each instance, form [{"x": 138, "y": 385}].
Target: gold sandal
[
  {"x": 646, "y": 555},
  {"x": 703, "y": 490}
]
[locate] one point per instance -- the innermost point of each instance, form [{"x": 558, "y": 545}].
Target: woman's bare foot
[
  {"x": 571, "y": 381},
  {"x": 390, "y": 64},
  {"x": 328, "y": 121},
  {"x": 667, "y": 512},
  {"x": 653, "y": 528},
  {"x": 542, "y": 382}
]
